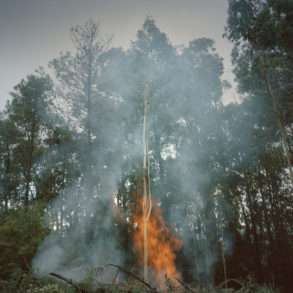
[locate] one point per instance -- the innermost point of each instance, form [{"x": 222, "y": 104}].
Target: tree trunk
[
  {"x": 284, "y": 136},
  {"x": 147, "y": 201},
  {"x": 30, "y": 160}
]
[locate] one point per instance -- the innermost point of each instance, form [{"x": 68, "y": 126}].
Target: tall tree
[
  {"x": 262, "y": 55},
  {"x": 29, "y": 114},
  {"x": 261, "y": 31}
]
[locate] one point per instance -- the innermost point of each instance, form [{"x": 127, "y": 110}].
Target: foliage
[
  {"x": 21, "y": 232},
  {"x": 219, "y": 173}
]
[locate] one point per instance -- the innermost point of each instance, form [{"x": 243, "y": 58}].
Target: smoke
[{"x": 185, "y": 93}]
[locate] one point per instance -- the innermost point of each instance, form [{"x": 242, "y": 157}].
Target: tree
[
  {"x": 28, "y": 114},
  {"x": 9, "y": 175},
  {"x": 261, "y": 31},
  {"x": 184, "y": 100},
  {"x": 262, "y": 57}
]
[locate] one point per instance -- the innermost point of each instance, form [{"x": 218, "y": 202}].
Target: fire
[{"x": 162, "y": 246}]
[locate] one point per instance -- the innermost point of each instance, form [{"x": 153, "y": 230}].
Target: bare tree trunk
[
  {"x": 224, "y": 261},
  {"x": 89, "y": 98},
  {"x": 28, "y": 173},
  {"x": 7, "y": 179},
  {"x": 254, "y": 230},
  {"x": 147, "y": 201},
  {"x": 281, "y": 127}
]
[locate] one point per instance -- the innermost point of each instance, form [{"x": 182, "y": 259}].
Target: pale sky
[{"x": 32, "y": 32}]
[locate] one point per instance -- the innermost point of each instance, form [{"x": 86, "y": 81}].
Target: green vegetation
[{"x": 71, "y": 159}]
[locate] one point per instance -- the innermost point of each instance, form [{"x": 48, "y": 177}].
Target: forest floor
[{"x": 26, "y": 283}]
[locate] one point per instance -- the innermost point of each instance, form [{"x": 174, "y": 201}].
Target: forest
[{"x": 123, "y": 170}]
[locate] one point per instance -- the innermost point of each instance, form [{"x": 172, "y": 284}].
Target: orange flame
[{"x": 162, "y": 246}]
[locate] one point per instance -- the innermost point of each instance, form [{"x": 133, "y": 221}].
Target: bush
[{"x": 21, "y": 233}]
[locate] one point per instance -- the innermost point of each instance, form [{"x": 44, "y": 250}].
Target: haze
[{"x": 34, "y": 31}]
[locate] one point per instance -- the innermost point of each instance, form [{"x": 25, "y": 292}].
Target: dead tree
[{"x": 147, "y": 198}]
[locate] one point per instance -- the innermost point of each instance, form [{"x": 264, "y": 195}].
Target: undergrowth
[{"x": 26, "y": 283}]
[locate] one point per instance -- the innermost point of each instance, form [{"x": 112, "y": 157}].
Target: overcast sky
[{"x": 32, "y": 32}]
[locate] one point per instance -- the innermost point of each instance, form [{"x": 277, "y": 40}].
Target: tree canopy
[{"x": 71, "y": 149}]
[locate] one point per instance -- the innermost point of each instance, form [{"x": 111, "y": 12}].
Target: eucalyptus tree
[
  {"x": 262, "y": 55},
  {"x": 261, "y": 32},
  {"x": 184, "y": 103}
]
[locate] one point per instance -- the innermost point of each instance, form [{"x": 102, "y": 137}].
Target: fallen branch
[
  {"x": 184, "y": 285},
  {"x": 133, "y": 276},
  {"x": 68, "y": 281}
]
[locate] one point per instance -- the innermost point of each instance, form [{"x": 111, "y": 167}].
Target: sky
[{"x": 33, "y": 32}]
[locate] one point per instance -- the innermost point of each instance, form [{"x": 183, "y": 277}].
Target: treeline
[{"x": 71, "y": 152}]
